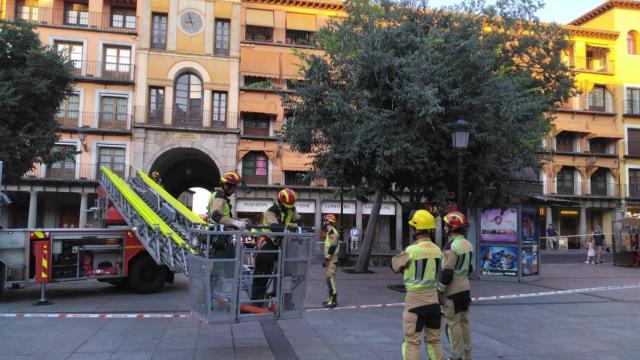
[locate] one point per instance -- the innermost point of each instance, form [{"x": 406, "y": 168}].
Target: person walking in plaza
[
  {"x": 354, "y": 237},
  {"x": 331, "y": 251},
  {"x": 453, "y": 285},
  {"x": 590, "y": 252},
  {"x": 552, "y": 237},
  {"x": 278, "y": 217},
  {"x": 598, "y": 238},
  {"x": 420, "y": 262}
]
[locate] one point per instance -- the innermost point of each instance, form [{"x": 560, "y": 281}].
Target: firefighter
[
  {"x": 420, "y": 262},
  {"x": 331, "y": 250},
  {"x": 278, "y": 217},
  {"x": 219, "y": 208},
  {"x": 453, "y": 286}
]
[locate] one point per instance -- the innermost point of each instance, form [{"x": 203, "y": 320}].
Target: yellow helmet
[{"x": 422, "y": 220}]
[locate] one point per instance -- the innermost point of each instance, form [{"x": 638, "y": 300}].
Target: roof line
[
  {"x": 610, "y": 4},
  {"x": 318, "y": 4}
]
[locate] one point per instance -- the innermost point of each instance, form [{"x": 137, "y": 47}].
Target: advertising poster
[
  {"x": 529, "y": 260},
  {"x": 497, "y": 225},
  {"x": 499, "y": 260},
  {"x": 530, "y": 229}
]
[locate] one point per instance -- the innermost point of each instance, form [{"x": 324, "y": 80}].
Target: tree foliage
[{"x": 34, "y": 80}]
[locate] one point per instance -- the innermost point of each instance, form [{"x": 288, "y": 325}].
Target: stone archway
[{"x": 183, "y": 168}]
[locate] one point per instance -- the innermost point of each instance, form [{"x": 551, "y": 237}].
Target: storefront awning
[
  {"x": 291, "y": 67},
  {"x": 604, "y": 130},
  {"x": 304, "y": 22},
  {"x": 254, "y": 62},
  {"x": 267, "y": 147},
  {"x": 574, "y": 125},
  {"x": 259, "y": 18},
  {"x": 547, "y": 200},
  {"x": 250, "y": 104}
]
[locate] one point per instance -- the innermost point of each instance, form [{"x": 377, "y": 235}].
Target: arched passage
[{"x": 183, "y": 168}]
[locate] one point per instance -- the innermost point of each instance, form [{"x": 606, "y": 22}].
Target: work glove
[{"x": 240, "y": 225}]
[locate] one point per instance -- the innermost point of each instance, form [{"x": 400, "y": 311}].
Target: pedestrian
[
  {"x": 590, "y": 252},
  {"x": 331, "y": 251},
  {"x": 552, "y": 237},
  {"x": 598, "y": 238},
  {"x": 454, "y": 287},
  {"x": 354, "y": 237},
  {"x": 420, "y": 262}
]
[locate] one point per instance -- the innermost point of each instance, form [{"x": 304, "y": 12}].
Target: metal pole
[
  {"x": 43, "y": 296},
  {"x": 341, "y": 213},
  {"x": 459, "y": 195}
]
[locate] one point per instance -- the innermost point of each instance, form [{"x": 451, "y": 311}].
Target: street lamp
[{"x": 460, "y": 139}]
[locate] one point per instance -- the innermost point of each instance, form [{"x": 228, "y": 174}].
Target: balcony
[
  {"x": 70, "y": 171},
  {"x": 178, "y": 117},
  {"x": 255, "y": 179},
  {"x": 103, "y": 72},
  {"x": 595, "y": 189},
  {"x": 600, "y": 65},
  {"x": 278, "y": 36},
  {"x": 88, "y": 120},
  {"x": 589, "y": 103},
  {"x": 85, "y": 20}
]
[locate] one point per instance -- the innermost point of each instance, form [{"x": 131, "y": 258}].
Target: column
[
  {"x": 582, "y": 226},
  {"x": 318, "y": 216},
  {"x": 209, "y": 28},
  {"x": 359, "y": 219},
  {"x": 549, "y": 218},
  {"x": 398, "y": 227},
  {"x": 97, "y": 18},
  {"x": 172, "y": 25},
  {"x": 168, "y": 105},
  {"x": 33, "y": 209},
  {"x": 144, "y": 15},
  {"x": 83, "y": 210},
  {"x": 206, "y": 109}
]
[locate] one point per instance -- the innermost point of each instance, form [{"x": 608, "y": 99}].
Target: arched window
[
  {"x": 255, "y": 168},
  {"x": 565, "y": 181},
  {"x": 599, "y": 182},
  {"x": 188, "y": 100},
  {"x": 632, "y": 43}
]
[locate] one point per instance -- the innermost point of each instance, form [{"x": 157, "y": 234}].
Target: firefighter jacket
[
  {"x": 331, "y": 247},
  {"x": 421, "y": 263},
  {"x": 454, "y": 278},
  {"x": 220, "y": 208},
  {"x": 280, "y": 216}
]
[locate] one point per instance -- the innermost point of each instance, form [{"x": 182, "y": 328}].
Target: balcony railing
[
  {"x": 602, "y": 65},
  {"x": 255, "y": 179},
  {"x": 102, "y": 71},
  {"x": 588, "y": 189},
  {"x": 99, "y": 120},
  {"x": 632, "y": 107},
  {"x": 587, "y": 102},
  {"x": 70, "y": 171},
  {"x": 280, "y": 36},
  {"x": 183, "y": 118},
  {"x": 77, "y": 19}
]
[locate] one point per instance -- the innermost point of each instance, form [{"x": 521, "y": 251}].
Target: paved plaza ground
[{"x": 599, "y": 325}]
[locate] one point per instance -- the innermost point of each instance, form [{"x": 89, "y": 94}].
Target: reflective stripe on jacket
[
  {"x": 328, "y": 244},
  {"x": 424, "y": 264}
]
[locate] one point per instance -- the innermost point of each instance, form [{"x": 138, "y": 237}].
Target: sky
[{"x": 560, "y": 11}]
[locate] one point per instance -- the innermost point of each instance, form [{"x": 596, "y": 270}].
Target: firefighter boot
[{"x": 332, "y": 302}]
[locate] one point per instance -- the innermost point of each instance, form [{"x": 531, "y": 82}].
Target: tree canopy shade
[
  {"x": 375, "y": 109},
  {"x": 34, "y": 80}
]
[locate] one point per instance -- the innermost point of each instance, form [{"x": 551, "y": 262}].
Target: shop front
[
  {"x": 252, "y": 209},
  {"x": 386, "y": 241}
]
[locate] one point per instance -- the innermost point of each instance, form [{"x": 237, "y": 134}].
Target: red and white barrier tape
[{"x": 97, "y": 315}]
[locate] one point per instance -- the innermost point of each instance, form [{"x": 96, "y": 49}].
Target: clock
[{"x": 191, "y": 22}]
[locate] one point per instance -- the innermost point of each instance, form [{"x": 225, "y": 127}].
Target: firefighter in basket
[{"x": 219, "y": 212}]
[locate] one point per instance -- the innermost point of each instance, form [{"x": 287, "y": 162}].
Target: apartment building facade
[{"x": 99, "y": 36}]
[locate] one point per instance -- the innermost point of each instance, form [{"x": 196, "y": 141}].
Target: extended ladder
[{"x": 161, "y": 239}]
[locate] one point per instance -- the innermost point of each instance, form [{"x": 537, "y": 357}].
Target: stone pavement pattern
[{"x": 600, "y": 325}]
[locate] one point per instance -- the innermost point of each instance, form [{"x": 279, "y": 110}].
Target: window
[
  {"x": 159, "y": 31},
  {"x": 113, "y": 112},
  {"x": 598, "y": 146},
  {"x": 599, "y": 99},
  {"x": 633, "y": 142},
  {"x": 256, "y": 124},
  {"x": 113, "y": 158},
  {"x": 293, "y": 84},
  {"x": 117, "y": 63},
  {"x": 123, "y": 18},
  {"x": 188, "y": 100},
  {"x": 634, "y": 183},
  {"x": 299, "y": 37},
  {"x": 564, "y": 142},
  {"x": 219, "y": 108},
  {"x": 156, "y": 105},
  {"x": 633, "y": 101},
  {"x": 599, "y": 183},
  {"x": 27, "y": 10},
  {"x": 72, "y": 51},
  {"x": 258, "y": 33},
  {"x": 255, "y": 166},
  {"x": 68, "y": 114},
  {"x": 76, "y": 14},
  {"x": 632, "y": 43},
  {"x": 298, "y": 178},
  {"x": 597, "y": 59},
  {"x": 257, "y": 82},
  {"x": 565, "y": 181},
  {"x": 222, "y": 37},
  {"x": 64, "y": 169}
]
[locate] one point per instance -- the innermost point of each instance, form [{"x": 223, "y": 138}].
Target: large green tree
[
  {"x": 34, "y": 79},
  {"x": 376, "y": 109}
]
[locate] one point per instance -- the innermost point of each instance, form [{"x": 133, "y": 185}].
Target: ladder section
[{"x": 162, "y": 242}]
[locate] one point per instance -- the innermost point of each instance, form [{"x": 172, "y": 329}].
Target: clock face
[{"x": 191, "y": 22}]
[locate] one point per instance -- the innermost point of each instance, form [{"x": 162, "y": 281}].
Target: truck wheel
[{"x": 145, "y": 276}]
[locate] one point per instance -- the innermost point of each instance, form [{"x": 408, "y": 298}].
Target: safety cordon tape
[{"x": 181, "y": 315}]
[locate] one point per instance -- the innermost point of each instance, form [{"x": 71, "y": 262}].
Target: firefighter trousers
[
  {"x": 264, "y": 265},
  {"x": 330, "y": 274},
  {"x": 415, "y": 321},
  {"x": 456, "y": 312}
]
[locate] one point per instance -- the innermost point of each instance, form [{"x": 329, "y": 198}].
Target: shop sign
[
  {"x": 497, "y": 225},
  {"x": 333, "y": 207},
  {"x": 385, "y": 209},
  {"x": 500, "y": 261},
  {"x": 252, "y": 205},
  {"x": 306, "y": 206}
]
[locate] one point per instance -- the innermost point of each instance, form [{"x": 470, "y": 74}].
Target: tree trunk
[{"x": 363, "y": 258}]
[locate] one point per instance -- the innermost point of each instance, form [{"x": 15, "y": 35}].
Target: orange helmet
[
  {"x": 287, "y": 198},
  {"x": 231, "y": 177},
  {"x": 330, "y": 218},
  {"x": 455, "y": 220}
]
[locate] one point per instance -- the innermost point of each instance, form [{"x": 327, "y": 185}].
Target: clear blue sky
[{"x": 560, "y": 11}]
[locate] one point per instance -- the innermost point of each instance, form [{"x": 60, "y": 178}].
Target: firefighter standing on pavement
[
  {"x": 420, "y": 262},
  {"x": 278, "y": 217},
  {"x": 331, "y": 250},
  {"x": 454, "y": 285},
  {"x": 219, "y": 207}
]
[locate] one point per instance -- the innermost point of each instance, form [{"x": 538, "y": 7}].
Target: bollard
[{"x": 43, "y": 296}]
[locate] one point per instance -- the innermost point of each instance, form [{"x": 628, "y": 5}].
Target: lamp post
[{"x": 460, "y": 140}]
